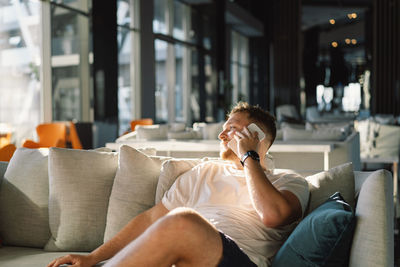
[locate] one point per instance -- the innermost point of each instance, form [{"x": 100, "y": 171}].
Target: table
[{"x": 212, "y": 147}]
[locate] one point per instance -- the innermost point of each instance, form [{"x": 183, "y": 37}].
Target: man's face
[{"x": 235, "y": 122}]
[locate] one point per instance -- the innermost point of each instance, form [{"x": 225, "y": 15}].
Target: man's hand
[
  {"x": 246, "y": 141},
  {"x": 74, "y": 261}
]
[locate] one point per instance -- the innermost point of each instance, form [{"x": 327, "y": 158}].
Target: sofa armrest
[{"x": 373, "y": 242}]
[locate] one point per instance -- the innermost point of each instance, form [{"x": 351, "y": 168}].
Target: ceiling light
[
  {"x": 349, "y": 16},
  {"x": 354, "y": 15},
  {"x": 332, "y": 21},
  {"x": 353, "y": 41},
  {"x": 347, "y": 40},
  {"x": 334, "y": 44}
]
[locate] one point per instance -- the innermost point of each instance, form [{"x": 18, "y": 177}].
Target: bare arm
[
  {"x": 275, "y": 208},
  {"x": 130, "y": 232}
]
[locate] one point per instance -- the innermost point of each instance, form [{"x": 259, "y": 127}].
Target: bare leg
[{"x": 182, "y": 237}]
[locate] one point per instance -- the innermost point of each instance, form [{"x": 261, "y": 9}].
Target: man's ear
[{"x": 267, "y": 141}]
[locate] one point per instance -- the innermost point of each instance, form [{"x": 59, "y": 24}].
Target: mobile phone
[{"x": 252, "y": 128}]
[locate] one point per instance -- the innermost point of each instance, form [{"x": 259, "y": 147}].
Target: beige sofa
[{"x": 61, "y": 201}]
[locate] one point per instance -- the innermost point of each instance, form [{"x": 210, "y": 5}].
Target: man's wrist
[{"x": 250, "y": 154}]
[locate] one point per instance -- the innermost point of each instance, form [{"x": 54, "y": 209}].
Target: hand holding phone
[{"x": 252, "y": 128}]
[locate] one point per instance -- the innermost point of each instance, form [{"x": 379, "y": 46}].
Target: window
[
  {"x": 183, "y": 64},
  {"x": 128, "y": 38},
  {"x": 171, "y": 18},
  {"x": 70, "y": 56},
  {"x": 19, "y": 68},
  {"x": 161, "y": 80},
  {"x": 240, "y": 68}
]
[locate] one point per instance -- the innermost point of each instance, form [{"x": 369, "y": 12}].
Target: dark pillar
[
  {"x": 286, "y": 51},
  {"x": 147, "y": 59},
  {"x": 386, "y": 57},
  {"x": 105, "y": 69},
  {"x": 311, "y": 71},
  {"x": 105, "y": 64},
  {"x": 224, "y": 92}
]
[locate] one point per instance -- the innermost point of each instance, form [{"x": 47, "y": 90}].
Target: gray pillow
[
  {"x": 324, "y": 184},
  {"x": 134, "y": 188},
  {"x": 24, "y": 196},
  {"x": 80, "y": 186}
]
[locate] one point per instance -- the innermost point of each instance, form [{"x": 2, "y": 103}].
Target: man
[{"x": 233, "y": 213}]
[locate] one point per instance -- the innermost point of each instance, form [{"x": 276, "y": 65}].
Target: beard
[{"x": 228, "y": 154}]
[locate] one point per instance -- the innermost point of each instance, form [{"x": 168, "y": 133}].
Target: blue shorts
[{"x": 232, "y": 255}]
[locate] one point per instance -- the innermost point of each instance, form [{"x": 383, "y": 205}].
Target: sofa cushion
[
  {"x": 326, "y": 134},
  {"x": 323, "y": 238},
  {"x": 152, "y": 132},
  {"x": 80, "y": 185},
  {"x": 134, "y": 188},
  {"x": 324, "y": 184},
  {"x": 24, "y": 196},
  {"x": 29, "y": 257},
  {"x": 210, "y": 131}
]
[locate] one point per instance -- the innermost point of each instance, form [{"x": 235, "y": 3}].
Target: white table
[{"x": 212, "y": 147}]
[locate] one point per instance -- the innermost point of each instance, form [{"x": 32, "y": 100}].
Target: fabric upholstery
[
  {"x": 185, "y": 135},
  {"x": 323, "y": 238},
  {"x": 24, "y": 195},
  {"x": 133, "y": 189},
  {"x": 28, "y": 257},
  {"x": 373, "y": 239},
  {"x": 151, "y": 132},
  {"x": 378, "y": 140},
  {"x": 324, "y": 184},
  {"x": 80, "y": 185},
  {"x": 326, "y": 134},
  {"x": 209, "y": 131}
]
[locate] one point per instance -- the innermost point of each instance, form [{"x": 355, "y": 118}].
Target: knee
[{"x": 183, "y": 220}]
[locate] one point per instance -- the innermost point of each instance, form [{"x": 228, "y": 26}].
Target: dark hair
[{"x": 258, "y": 115}]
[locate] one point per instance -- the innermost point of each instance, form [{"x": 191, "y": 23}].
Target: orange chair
[
  {"x": 73, "y": 137},
  {"x": 50, "y": 135},
  {"x": 6, "y": 152},
  {"x": 5, "y": 139},
  {"x": 145, "y": 121}
]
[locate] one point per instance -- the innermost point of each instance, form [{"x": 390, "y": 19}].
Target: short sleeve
[
  {"x": 179, "y": 194},
  {"x": 295, "y": 184}
]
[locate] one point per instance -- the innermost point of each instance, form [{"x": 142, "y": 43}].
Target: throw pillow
[
  {"x": 134, "y": 188},
  {"x": 324, "y": 184},
  {"x": 24, "y": 196},
  {"x": 80, "y": 185},
  {"x": 323, "y": 238}
]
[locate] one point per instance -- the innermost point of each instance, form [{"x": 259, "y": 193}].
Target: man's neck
[{"x": 239, "y": 166}]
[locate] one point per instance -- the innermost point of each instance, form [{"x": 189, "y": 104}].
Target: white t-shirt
[{"x": 218, "y": 191}]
